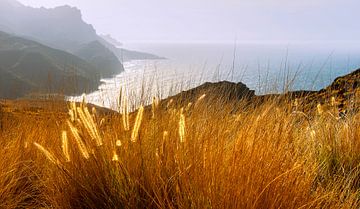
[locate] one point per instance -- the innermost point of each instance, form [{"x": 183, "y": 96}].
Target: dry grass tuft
[{"x": 234, "y": 156}]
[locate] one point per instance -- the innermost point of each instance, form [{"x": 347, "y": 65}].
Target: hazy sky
[{"x": 219, "y": 20}]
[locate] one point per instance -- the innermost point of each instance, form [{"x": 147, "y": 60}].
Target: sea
[{"x": 266, "y": 67}]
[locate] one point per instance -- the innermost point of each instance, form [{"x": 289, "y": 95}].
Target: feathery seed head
[
  {"x": 154, "y": 105},
  {"x": 89, "y": 124},
  {"x": 72, "y": 115},
  {"x": 115, "y": 156},
  {"x": 319, "y": 109},
  {"x": 188, "y": 106},
  {"x": 65, "y": 145},
  {"x": 182, "y": 128},
  {"x": 47, "y": 154},
  {"x": 169, "y": 103},
  {"x": 102, "y": 121},
  {"x": 333, "y": 101},
  {"x": 124, "y": 111},
  {"x": 79, "y": 141},
  {"x": 165, "y": 135},
  {"x": 201, "y": 97},
  {"x": 312, "y": 134},
  {"x": 137, "y": 124},
  {"x": 296, "y": 102},
  {"x": 118, "y": 143},
  {"x": 93, "y": 111},
  {"x": 83, "y": 102}
]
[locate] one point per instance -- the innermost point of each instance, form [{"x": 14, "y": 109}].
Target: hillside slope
[
  {"x": 61, "y": 27},
  {"x": 105, "y": 61},
  {"x": 27, "y": 66}
]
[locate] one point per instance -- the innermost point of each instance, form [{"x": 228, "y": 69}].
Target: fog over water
[
  {"x": 219, "y": 20},
  {"x": 280, "y": 44},
  {"x": 264, "y": 67}
]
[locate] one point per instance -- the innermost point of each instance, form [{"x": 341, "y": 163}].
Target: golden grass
[
  {"x": 65, "y": 146},
  {"x": 137, "y": 124},
  {"x": 204, "y": 156}
]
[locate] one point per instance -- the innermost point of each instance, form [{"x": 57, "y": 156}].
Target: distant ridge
[
  {"x": 54, "y": 51},
  {"x": 125, "y": 55},
  {"x": 27, "y": 66},
  {"x": 60, "y": 27},
  {"x": 101, "y": 58}
]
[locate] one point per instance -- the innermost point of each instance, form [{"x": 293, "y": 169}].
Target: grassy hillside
[{"x": 208, "y": 150}]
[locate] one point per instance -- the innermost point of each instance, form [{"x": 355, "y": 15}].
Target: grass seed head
[
  {"x": 125, "y": 113},
  {"x": 118, "y": 143},
  {"x": 319, "y": 109},
  {"x": 165, "y": 135},
  {"x": 154, "y": 106},
  {"x": 65, "y": 145},
  {"x": 88, "y": 122},
  {"x": 333, "y": 101},
  {"x": 79, "y": 141},
  {"x": 182, "y": 128},
  {"x": 115, "y": 156},
  {"x": 137, "y": 124},
  {"x": 47, "y": 154}
]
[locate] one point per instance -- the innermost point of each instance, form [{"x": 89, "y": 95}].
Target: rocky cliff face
[
  {"x": 61, "y": 27},
  {"x": 223, "y": 92}
]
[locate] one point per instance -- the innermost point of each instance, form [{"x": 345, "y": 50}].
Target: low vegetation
[{"x": 204, "y": 154}]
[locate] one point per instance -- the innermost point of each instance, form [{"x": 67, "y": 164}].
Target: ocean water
[{"x": 264, "y": 67}]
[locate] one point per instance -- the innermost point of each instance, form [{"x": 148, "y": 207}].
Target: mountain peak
[
  {"x": 61, "y": 27},
  {"x": 10, "y": 3},
  {"x": 68, "y": 11}
]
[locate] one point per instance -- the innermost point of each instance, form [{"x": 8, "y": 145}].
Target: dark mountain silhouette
[
  {"x": 127, "y": 55},
  {"x": 27, "y": 66},
  {"x": 101, "y": 58},
  {"x": 111, "y": 40},
  {"x": 60, "y": 27}
]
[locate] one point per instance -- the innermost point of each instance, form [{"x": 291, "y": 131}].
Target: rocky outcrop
[
  {"x": 343, "y": 93},
  {"x": 223, "y": 92}
]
